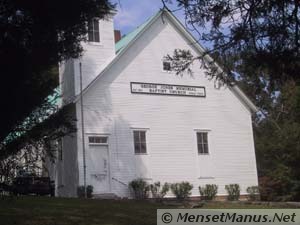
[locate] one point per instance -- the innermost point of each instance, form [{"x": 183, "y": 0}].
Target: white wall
[
  {"x": 94, "y": 59},
  {"x": 96, "y": 55},
  {"x": 171, "y": 121},
  {"x": 67, "y": 81},
  {"x": 66, "y": 172}
]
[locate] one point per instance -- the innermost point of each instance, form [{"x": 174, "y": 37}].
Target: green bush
[
  {"x": 233, "y": 191},
  {"x": 89, "y": 191},
  {"x": 139, "y": 188},
  {"x": 209, "y": 191},
  {"x": 275, "y": 189},
  {"x": 253, "y": 193},
  {"x": 159, "y": 191},
  {"x": 181, "y": 190}
]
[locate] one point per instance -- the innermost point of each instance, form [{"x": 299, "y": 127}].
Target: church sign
[{"x": 167, "y": 89}]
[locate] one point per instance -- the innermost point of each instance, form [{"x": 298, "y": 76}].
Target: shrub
[
  {"x": 233, "y": 191},
  {"x": 89, "y": 191},
  {"x": 181, "y": 190},
  {"x": 274, "y": 189},
  {"x": 295, "y": 190},
  {"x": 209, "y": 191},
  {"x": 268, "y": 188},
  {"x": 159, "y": 191},
  {"x": 253, "y": 192},
  {"x": 140, "y": 188}
]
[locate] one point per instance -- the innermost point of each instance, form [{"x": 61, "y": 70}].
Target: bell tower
[{"x": 98, "y": 51}]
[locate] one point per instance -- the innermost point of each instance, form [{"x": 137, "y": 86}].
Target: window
[
  {"x": 93, "y": 31},
  {"x": 139, "y": 138},
  {"x": 166, "y": 66},
  {"x": 98, "y": 140},
  {"x": 60, "y": 149},
  {"x": 202, "y": 142}
]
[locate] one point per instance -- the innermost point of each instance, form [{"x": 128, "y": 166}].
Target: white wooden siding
[
  {"x": 66, "y": 171},
  {"x": 67, "y": 80},
  {"x": 172, "y": 156},
  {"x": 96, "y": 55}
]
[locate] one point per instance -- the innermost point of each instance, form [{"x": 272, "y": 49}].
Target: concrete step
[{"x": 105, "y": 196}]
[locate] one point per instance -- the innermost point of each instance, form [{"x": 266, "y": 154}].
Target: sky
[{"x": 132, "y": 13}]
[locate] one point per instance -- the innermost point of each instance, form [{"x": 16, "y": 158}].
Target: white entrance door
[{"x": 98, "y": 168}]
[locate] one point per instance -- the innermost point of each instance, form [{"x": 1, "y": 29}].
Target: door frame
[{"x": 107, "y": 135}]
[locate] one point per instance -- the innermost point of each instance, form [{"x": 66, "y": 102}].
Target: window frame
[
  {"x": 163, "y": 66},
  {"x": 93, "y": 30},
  {"x": 140, "y": 142},
  {"x": 97, "y": 143},
  {"x": 199, "y": 132},
  {"x": 60, "y": 149}
]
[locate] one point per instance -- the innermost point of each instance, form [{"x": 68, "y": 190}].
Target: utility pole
[{"x": 82, "y": 132}]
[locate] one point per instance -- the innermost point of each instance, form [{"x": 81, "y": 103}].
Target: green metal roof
[
  {"x": 126, "y": 39},
  {"x": 55, "y": 97}
]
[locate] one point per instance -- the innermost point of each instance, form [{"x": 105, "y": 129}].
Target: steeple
[{"x": 98, "y": 51}]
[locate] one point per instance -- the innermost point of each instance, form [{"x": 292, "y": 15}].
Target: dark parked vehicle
[
  {"x": 33, "y": 185},
  {"x": 4, "y": 189}
]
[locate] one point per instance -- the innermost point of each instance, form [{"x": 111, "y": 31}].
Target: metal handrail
[{"x": 115, "y": 179}]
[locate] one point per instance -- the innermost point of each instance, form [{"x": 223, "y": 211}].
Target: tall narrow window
[
  {"x": 93, "y": 31},
  {"x": 139, "y": 139},
  {"x": 60, "y": 148},
  {"x": 167, "y": 66},
  {"x": 202, "y": 141}
]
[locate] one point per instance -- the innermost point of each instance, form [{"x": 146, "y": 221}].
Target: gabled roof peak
[{"x": 129, "y": 39}]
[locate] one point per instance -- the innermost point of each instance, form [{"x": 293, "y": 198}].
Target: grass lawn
[{"x": 61, "y": 211}]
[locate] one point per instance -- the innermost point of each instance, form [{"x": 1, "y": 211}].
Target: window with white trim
[
  {"x": 202, "y": 142},
  {"x": 98, "y": 140},
  {"x": 93, "y": 31},
  {"x": 139, "y": 139}
]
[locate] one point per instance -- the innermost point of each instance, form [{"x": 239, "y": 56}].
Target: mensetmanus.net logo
[{"x": 228, "y": 216}]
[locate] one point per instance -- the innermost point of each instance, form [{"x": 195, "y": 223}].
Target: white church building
[{"x": 141, "y": 120}]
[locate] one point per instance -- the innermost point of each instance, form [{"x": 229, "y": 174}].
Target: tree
[
  {"x": 256, "y": 43},
  {"x": 35, "y": 139},
  {"x": 258, "y": 40},
  {"x": 35, "y": 36},
  {"x": 278, "y": 150}
]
